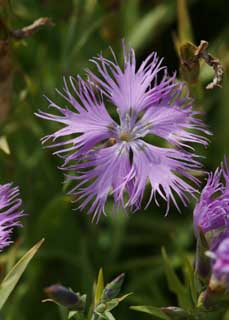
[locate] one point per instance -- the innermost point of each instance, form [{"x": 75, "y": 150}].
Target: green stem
[{"x": 63, "y": 313}]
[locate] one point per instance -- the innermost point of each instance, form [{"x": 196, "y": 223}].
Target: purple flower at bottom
[
  {"x": 109, "y": 154},
  {"x": 10, "y": 212},
  {"x": 211, "y": 217},
  {"x": 220, "y": 267}
]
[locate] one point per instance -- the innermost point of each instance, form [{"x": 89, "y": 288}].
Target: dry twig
[
  {"x": 212, "y": 62},
  {"x": 28, "y": 31}
]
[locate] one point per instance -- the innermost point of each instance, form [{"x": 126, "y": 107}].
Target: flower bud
[
  {"x": 202, "y": 261},
  {"x": 113, "y": 288},
  {"x": 65, "y": 297}
]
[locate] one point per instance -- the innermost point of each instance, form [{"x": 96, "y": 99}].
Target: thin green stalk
[{"x": 63, "y": 312}]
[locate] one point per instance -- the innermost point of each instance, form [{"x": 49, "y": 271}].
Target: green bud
[{"x": 113, "y": 288}]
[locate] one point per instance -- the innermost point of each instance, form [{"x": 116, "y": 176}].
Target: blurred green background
[{"x": 75, "y": 248}]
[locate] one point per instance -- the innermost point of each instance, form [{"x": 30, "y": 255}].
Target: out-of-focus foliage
[{"x": 74, "y": 248}]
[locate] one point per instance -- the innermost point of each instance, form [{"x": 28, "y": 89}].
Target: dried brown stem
[
  {"x": 212, "y": 62},
  {"x": 28, "y": 31}
]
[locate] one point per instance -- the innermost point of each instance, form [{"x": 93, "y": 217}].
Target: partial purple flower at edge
[
  {"x": 212, "y": 210},
  {"x": 110, "y": 157},
  {"x": 211, "y": 217},
  {"x": 220, "y": 266},
  {"x": 10, "y": 212}
]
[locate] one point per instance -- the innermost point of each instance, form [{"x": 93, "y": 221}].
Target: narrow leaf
[
  {"x": 99, "y": 287},
  {"x": 175, "y": 284},
  {"x": 153, "y": 311},
  {"x": 110, "y": 305},
  {"x": 120, "y": 299},
  {"x": 12, "y": 278},
  {"x": 176, "y": 313},
  {"x": 190, "y": 278}
]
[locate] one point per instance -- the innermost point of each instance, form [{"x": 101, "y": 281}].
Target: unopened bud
[
  {"x": 113, "y": 288},
  {"x": 64, "y": 296},
  {"x": 202, "y": 261}
]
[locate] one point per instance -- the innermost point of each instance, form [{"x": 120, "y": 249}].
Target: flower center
[{"x": 125, "y": 136}]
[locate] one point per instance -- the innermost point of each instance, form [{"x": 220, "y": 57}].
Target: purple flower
[
  {"x": 212, "y": 210},
  {"x": 211, "y": 217},
  {"x": 220, "y": 266},
  {"x": 109, "y": 154},
  {"x": 10, "y": 212}
]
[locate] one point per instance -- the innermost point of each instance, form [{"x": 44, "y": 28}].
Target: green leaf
[
  {"x": 12, "y": 278},
  {"x": 120, "y": 299},
  {"x": 175, "y": 284},
  {"x": 99, "y": 287},
  {"x": 71, "y": 314},
  {"x": 176, "y": 313},
  {"x": 153, "y": 311},
  {"x": 190, "y": 278},
  {"x": 110, "y": 305}
]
